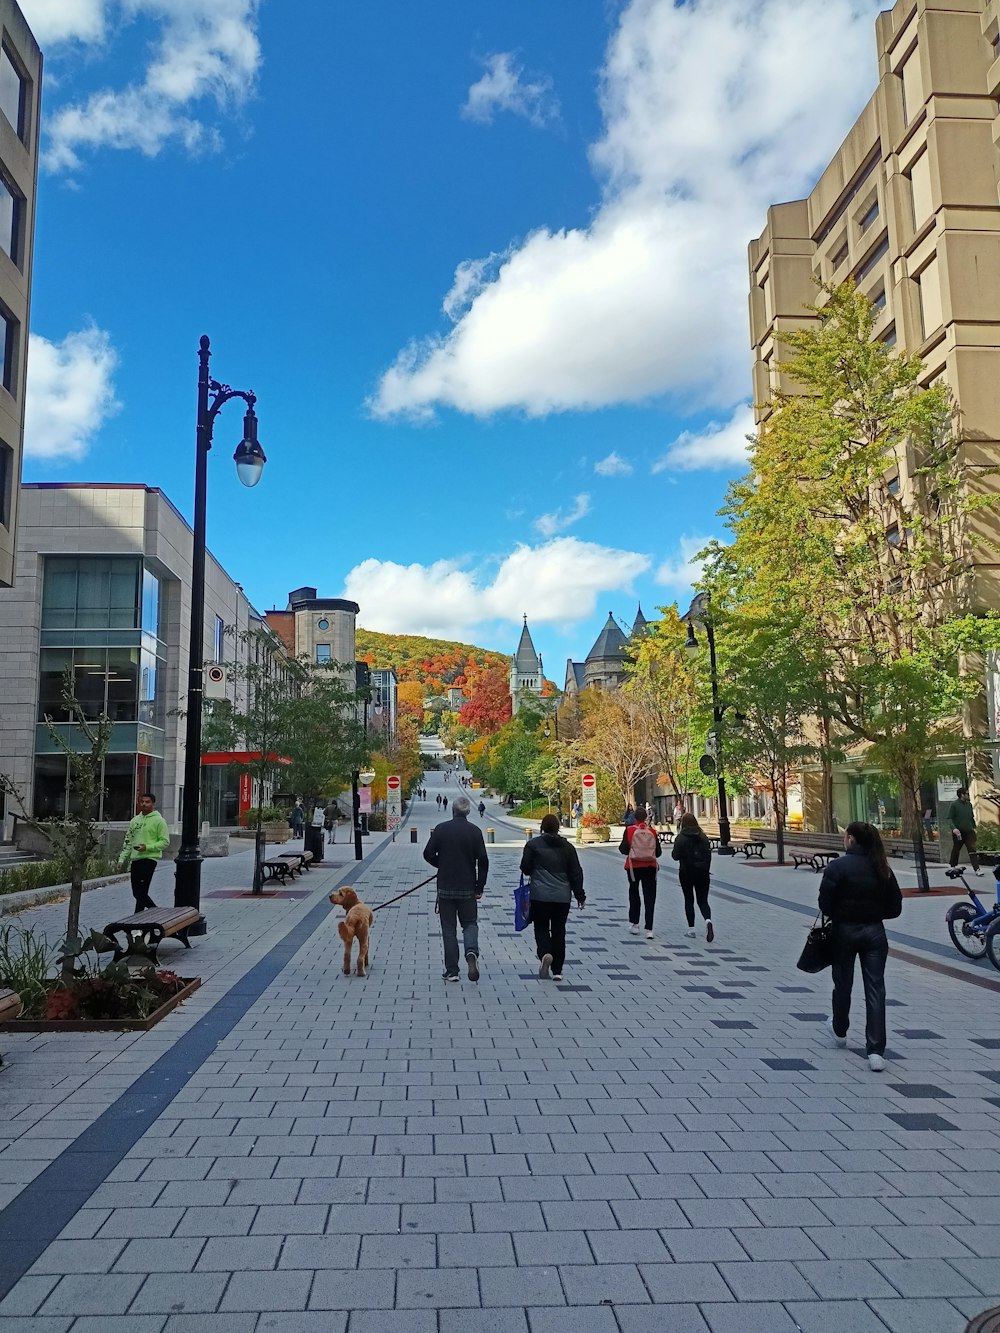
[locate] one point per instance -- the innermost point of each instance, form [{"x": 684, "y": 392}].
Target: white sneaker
[
  {"x": 634, "y": 930},
  {"x": 690, "y": 932},
  {"x": 831, "y": 1036},
  {"x": 876, "y": 1064},
  {"x": 649, "y": 934}
]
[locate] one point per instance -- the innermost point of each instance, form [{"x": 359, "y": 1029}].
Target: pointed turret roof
[
  {"x": 639, "y": 625},
  {"x": 526, "y": 659},
  {"x": 611, "y": 642}
]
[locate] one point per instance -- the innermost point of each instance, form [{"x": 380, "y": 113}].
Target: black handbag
[{"x": 817, "y": 952}]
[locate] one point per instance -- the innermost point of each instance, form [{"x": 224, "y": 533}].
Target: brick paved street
[{"x": 660, "y": 1143}]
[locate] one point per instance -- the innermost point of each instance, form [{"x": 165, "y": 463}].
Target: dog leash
[{"x": 405, "y": 894}]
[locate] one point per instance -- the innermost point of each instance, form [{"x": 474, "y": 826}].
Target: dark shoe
[
  {"x": 709, "y": 933},
  {"x": 473, "y": 962}
]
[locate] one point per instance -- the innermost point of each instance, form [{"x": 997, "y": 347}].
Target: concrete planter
[
  {"x": 102, "y": 1024},
  {"x": 600, "y": 834}
]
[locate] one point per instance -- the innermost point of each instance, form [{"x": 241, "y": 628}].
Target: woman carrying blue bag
[{"x": 552, "y": 865}]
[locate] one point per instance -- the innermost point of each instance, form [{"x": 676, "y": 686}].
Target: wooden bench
[
  {"x": 280, "y": 869},
  {"x": 144, "y": 932},
  {"x": 296, "y": 862},
  {"x": 814, "y": 857},
  {"x": 752, "y": 848},
  {"x": 10, "y": 1005}
]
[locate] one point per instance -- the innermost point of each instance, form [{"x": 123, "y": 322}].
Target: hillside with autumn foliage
[{"x": 435, "y": 664}]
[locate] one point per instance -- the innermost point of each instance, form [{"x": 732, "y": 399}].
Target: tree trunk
[
  {"x": 73, "y": 919},
  {"x": 826, "y": 780},
  {"x": 913, "y": 824}
]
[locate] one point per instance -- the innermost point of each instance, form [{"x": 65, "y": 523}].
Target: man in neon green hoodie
[{"x": 145, "y": 842}]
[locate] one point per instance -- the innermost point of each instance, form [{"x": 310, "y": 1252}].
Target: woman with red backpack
[
  {"x": 641, "y": 848},
  {"x": 693, "y": 853}
]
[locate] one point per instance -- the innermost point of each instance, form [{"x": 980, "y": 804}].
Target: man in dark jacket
[
  {"x": 457, "y": 850},
  {"x": 552, "y": 865},
  {"x": 962, "y": 822}
]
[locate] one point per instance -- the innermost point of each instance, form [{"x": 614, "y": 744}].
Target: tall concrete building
[
  {"x": 103, "y": 589},
  {"x": 20, "y": 100},
  {"x": 909, "y": 208}
]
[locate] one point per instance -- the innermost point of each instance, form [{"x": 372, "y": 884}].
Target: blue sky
[{"x": 483, "y": 265}]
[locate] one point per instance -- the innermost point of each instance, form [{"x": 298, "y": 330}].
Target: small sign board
[
  {"x": 365, "y": 800},
  {"x": 588, "y": 784},
  {"x": 947, "y": 789},
  {"x": 707, "y": 765},
  {"x": 393, "y": 799}
]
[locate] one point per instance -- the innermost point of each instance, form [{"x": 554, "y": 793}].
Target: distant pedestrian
[
  {"x": 482, "y": 809},
  {"x": 456, "y": 849},
  {"x": 444, "y": 803},
  {"x": 962, "y": 822},
  {"x": 438, "y": 799},
  {"x": 693, "y": 853},
  {"x": 297, "y": 819},
  {"x": 552, "y": 865},
  {"x": 629, "y": 817},
  {"x": 679, "y": 812},
  {"x": 330, "y": 816},
  {"x": 641, "y": 847},
  {"x": 577, "y": 812},
  {"x": 146, "y": 839},
  {"x": 858, "y": 892}
]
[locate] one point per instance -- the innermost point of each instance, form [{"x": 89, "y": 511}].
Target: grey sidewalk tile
[
  {"x": 776, "y": 1243},
  {"x": 766, "y": 1280},
  {"x": 225, "y": 1254},
  {"x": 343, "y": 1289},
  {"x": 762, "y": 1318},
  {"x": 677, "y": 1318},
  {"x": 296, "y": 1219},
  {"x": 387, "y": 1321},
  {"x": 122, "y": 1323},
  {"x": 130, "y": 1223},
  {"x": 717, "y": 1213},
  {"x": 266, "y": 1291},
  {"x": 79, "y": 1256},
  {"x": 702, "y": 1244},
  {"x": 221, "y": 1323},
  {"x": 855, "y": 1212},
  {"x": 192, "y": 1293},
  {"x": 323, "y": 1251},
  {"x": 593, "y": 1318},
  {"x": 923, "y": 1277},
  {"x": 920, "y": 1316},
  {"x": 363, "y": 1219},
  {"x": 835, "y": 1317},
  {"x": 38, "y": 1324},
  {"x": 845, "y": 1279},
  {"x": 603, "y": 1283},
  {"x": 300, "y": 1321},
  {"x": 504, "y": 1217},
  {"x": 26, "y": 1296},
  {"x": 103, "y": 1294},
  {"x": 436, "y": 1288},
  {"x": 176, "y": 1255},
  {"x": 681, "y": 1283},
  {"x": 457, "y": 1249},
  {"x": 480, "y": 1321},
  {"x": 924, "y": 1242},
  {"x": 590, "y": 1215},
  {"x": 440, "y": 1217},
  {"x": 527, "y": 1189},
  {"x": 520, "y": 1287},
  {"x": 231, "y": 1220},
  {"x": 393, "y": 1251},
  {"x": 851, "y": 1243},
  {"x": 787, "y": 1212},
  {"x": 981, "y": 1272},
  {"x": 623, "y": 1247},
  {"x": 552, "y": 1247}
]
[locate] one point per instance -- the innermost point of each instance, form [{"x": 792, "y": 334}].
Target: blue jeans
[{"x": 452, "y": 911}]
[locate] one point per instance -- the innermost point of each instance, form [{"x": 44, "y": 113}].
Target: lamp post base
[{"x": 187, "y": 884}]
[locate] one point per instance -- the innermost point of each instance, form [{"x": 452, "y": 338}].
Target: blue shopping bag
[{"x": 522, "y": 905}]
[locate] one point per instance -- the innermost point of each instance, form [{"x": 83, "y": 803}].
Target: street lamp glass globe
[
  {"x": 249, "y": 456},
  {"x": 366, "y": 776},
  {"x": 691, "y": 643}
]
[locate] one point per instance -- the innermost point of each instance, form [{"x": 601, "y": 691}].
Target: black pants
[
  {"x": 455, "y": 912},
  {"x": 867, "y": 942},
  {"x": 696, "y": 882},
  {"x": 549, "y": 920},
  {"x": 141, "y": 873},
  {"x": 968, "y": 840},
  {"x": 644, "y": 876}
]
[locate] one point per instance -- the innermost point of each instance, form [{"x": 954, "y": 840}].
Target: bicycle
[{"x": 974, "y": 928}]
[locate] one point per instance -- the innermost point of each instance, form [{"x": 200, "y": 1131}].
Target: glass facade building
[{"x": 100, "y": 623}]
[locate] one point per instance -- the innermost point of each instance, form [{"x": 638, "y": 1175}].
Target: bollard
[
  {"x": 413, "y": 835},
  {"x": 490, "y": 835},
  {"x": 528, "y": 834}
]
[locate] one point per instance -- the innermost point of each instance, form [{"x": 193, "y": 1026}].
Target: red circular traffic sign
[
  {"x": 392, "y": 783},
  {"x": 589, "y": 780}
]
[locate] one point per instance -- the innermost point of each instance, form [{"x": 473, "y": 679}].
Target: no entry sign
[
  {"x": 589, "y": 784},
  {"x": 393, "y": 810},
  {"x": 392, "y": 783}
]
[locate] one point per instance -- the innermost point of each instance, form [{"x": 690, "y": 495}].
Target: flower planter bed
[
  {"x": 191, "y": 984},
  {"x": 600, "y": 833}
]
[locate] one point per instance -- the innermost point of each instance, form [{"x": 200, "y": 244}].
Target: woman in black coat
[{"x": 858, "y": 892}]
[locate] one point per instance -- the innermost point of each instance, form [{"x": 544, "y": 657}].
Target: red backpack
[{"x": 642, "y": 848}]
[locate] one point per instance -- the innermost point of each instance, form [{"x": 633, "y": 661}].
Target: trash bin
[
  {"x": 490, "y": 835},
  {"x": 413, "y": 835},
  {"x": 314, "y": 842}
]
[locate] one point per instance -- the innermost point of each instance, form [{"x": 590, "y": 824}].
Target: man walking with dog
[{"x": 457, "y": 851}]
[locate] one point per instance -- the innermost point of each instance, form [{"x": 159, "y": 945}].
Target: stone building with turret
[{"x": 525, "y": 669}]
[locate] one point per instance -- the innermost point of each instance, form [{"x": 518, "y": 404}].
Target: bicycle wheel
[
  {"x": 972, "y": 944},
  {"x": 993, "y": 944}
]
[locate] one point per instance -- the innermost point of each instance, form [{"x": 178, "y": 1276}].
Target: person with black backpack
[
  {"x": 640, "y": 845},
  {"x": 693, "y": 853}
]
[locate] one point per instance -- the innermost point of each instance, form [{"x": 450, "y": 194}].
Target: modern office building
[
  {"x": 20, "y": 100},
  {"x": 909, "y": 209},
  {"x": 384, "y": 703},
  {"x": 102, "y": 589}
]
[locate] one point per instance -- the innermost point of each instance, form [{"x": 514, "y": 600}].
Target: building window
[
  {"x": 150, "y": 602},
  {"x": 322, "y": 652},
  {"x": 91, "y": 592},
  {"x": 868, "y": 217},
  {"x": 892, "y": 535},
  {"x": 13, "y": 94},
  {"x": 219, "y": 638},
  {"x": 9, "y": 330},
  {"x": 11, "y": 219},
  {"x": 913, "y": 86},
  {"x": 840, "y": 257},
  {"x": 6, "y": 482},
  {"x": 888, "y": 338},
  {"x": 921, "y": 200},
  {"x": 322, "y": 623},
  {"x": 117, "y": 796},
  {"x": 878, "y": 298},
  {"x": 929, "y": 286},
  {"x": 892, "y": 485}
]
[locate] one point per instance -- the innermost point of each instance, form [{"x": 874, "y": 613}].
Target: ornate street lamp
[
  {"x": 250, "y": 459},
  {"x": 700, "y": 610}
]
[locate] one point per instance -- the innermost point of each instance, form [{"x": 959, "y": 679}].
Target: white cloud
[
  {"x": 557, "y": 582},
  {"x": 614, "y": 466},
  {"x": 207, "y": 52},
  {"x": 681, "y": 570},
  {"x": 504, "y": 87},
  {"x": 720, "y": 445},
  {"x": 711, "y": 113},
  {"x": 70, "y": 393},
  {"x": 561, "y": 519},
  {"x": 54, "y": 21}
]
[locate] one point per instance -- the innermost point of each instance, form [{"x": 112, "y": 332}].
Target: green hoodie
[
  {"x": 150, "y": 830},
  {"x": 961, "y": 816}
]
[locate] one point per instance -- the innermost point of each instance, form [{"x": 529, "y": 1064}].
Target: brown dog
[{"x": 354, "y": 926}]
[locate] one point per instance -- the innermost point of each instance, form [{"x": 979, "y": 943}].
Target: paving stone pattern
[{"x": 636, "y": 1149}]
